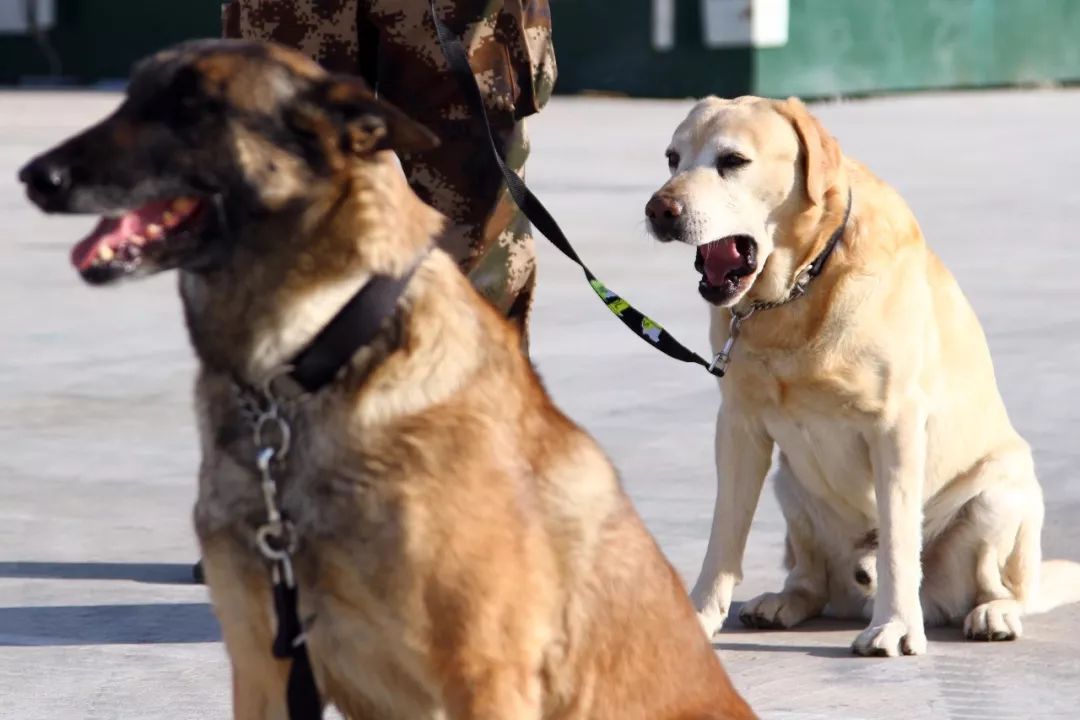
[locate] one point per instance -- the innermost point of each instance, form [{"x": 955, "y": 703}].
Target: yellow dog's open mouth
[{"x": 724, "y": 264}]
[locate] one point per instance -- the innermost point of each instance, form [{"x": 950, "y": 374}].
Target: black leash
[
  {"x": 301, "y": 692},
  {"x": 354, "y": 326},
  {"x": 640, "y": 324}
]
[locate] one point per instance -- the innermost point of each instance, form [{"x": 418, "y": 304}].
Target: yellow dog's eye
[
  {"x": 730, "y": 161},
  {"x": 672, "y": 159}
]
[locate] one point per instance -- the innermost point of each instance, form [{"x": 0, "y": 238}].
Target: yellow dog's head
[{"x": 753, "y": 181}]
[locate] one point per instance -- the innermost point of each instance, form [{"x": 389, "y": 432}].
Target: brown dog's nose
[{"x": 664, "y": 212}]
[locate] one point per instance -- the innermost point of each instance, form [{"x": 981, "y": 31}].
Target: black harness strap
[{"x": 640, "y": 324}]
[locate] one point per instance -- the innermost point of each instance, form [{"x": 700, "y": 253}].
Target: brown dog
[{"x": 462, "y": 549}]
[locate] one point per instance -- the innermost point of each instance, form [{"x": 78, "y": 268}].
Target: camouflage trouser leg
[{"x": 392, "y": 43}]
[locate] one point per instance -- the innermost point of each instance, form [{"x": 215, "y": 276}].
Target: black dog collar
[{"x": 355, "y": 326}]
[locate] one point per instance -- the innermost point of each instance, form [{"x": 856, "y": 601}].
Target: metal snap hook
[
  {"x": 269, "y": 419},
  {"x": 276, "y": 540},
  {"x": 268, "y": 383},
  {"x": 719, "y": 363}
]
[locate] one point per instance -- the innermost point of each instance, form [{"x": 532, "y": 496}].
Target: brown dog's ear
[
  {"x": 820, "y": 149},
  {"x": 365, "y": 123}
]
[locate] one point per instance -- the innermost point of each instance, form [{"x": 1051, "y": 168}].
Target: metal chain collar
[
  {"x": 272, "y": 435},
  {"x": 266, "y": 414},
  {"x": 721, "y": 360}
]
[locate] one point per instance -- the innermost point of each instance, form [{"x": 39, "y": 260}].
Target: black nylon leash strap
[
  {"x": 301, "y": 693},
  {"x": 640, "y": 324}
]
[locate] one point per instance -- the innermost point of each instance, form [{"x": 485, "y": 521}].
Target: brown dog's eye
[
  {"x": 672, "y": 159},
  {"x": 730, "y": 161}
]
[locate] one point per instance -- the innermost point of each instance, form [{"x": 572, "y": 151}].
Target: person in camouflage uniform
[{"x": 392, "y": 44}]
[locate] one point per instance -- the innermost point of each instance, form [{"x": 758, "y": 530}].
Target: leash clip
[
  {"x": 719, "y": 364},
  {"x": 273, "y": 437},
  {"x": 799, "y": 288},
  {"x": 276, "y": 540}
]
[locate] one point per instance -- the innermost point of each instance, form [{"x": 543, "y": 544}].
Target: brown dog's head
[
  {"x": 214, "y": 139},
  {"x": 744, "y": 175}
]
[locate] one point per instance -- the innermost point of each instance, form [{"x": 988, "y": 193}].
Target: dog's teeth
[
  {"x": 137, "y": 239},
  {"x": 105, "y": 254},
  {"x": 168, "y": 218},
  {"x": 154, "y": 231}
]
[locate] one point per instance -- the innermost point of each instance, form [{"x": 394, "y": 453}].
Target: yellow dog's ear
[{"x": 821, "y": 152}]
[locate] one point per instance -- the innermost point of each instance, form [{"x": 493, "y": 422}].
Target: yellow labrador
[{"x": 860, "y": 358}]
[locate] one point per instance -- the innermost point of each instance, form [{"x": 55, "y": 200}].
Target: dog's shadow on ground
[
  {"x": 142, "y": 624},
  {"x": 733, "y": 636},
  {"x": 156, "y": 573},
  {"x": 129, "y": 624}
]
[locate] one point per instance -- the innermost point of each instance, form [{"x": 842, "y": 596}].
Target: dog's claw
[
  {"x": 778, "y": 611},
  {"x": 891, "y": 639},
  {"x": 994, "y": 621}
]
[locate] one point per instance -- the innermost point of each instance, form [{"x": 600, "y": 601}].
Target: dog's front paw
[
  {"x": 994, "y": 620},
  {"x": 776, "y": 611},
  {"x": 711, "y": 621},
  {"x": 890, "y": 639},
  {"x": 710, "y": 613}
]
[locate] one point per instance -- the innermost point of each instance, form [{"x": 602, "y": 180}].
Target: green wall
[
  {"x": 599, "y": 49},
  {"x": 835, "y": 47},
  {"x": 839, "y": 47}
]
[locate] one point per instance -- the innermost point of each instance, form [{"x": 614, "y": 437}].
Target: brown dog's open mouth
[
  {"x": 151, "y": 234},
  {"x": 724, "y": 264}
]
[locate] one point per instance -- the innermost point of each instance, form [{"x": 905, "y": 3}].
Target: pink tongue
[
  {"x": 720, "y": 258},
  {"x": 83, "y": 254},
  {"x": 114, "y": 231}
]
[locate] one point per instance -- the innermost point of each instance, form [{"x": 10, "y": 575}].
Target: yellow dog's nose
[{"x": 663, "y": 213}]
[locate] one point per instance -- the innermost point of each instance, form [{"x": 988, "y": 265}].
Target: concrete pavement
[{"x": 97, "y": 449}]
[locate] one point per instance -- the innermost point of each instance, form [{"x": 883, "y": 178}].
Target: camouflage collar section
[{"x": 802, "y": 281}]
